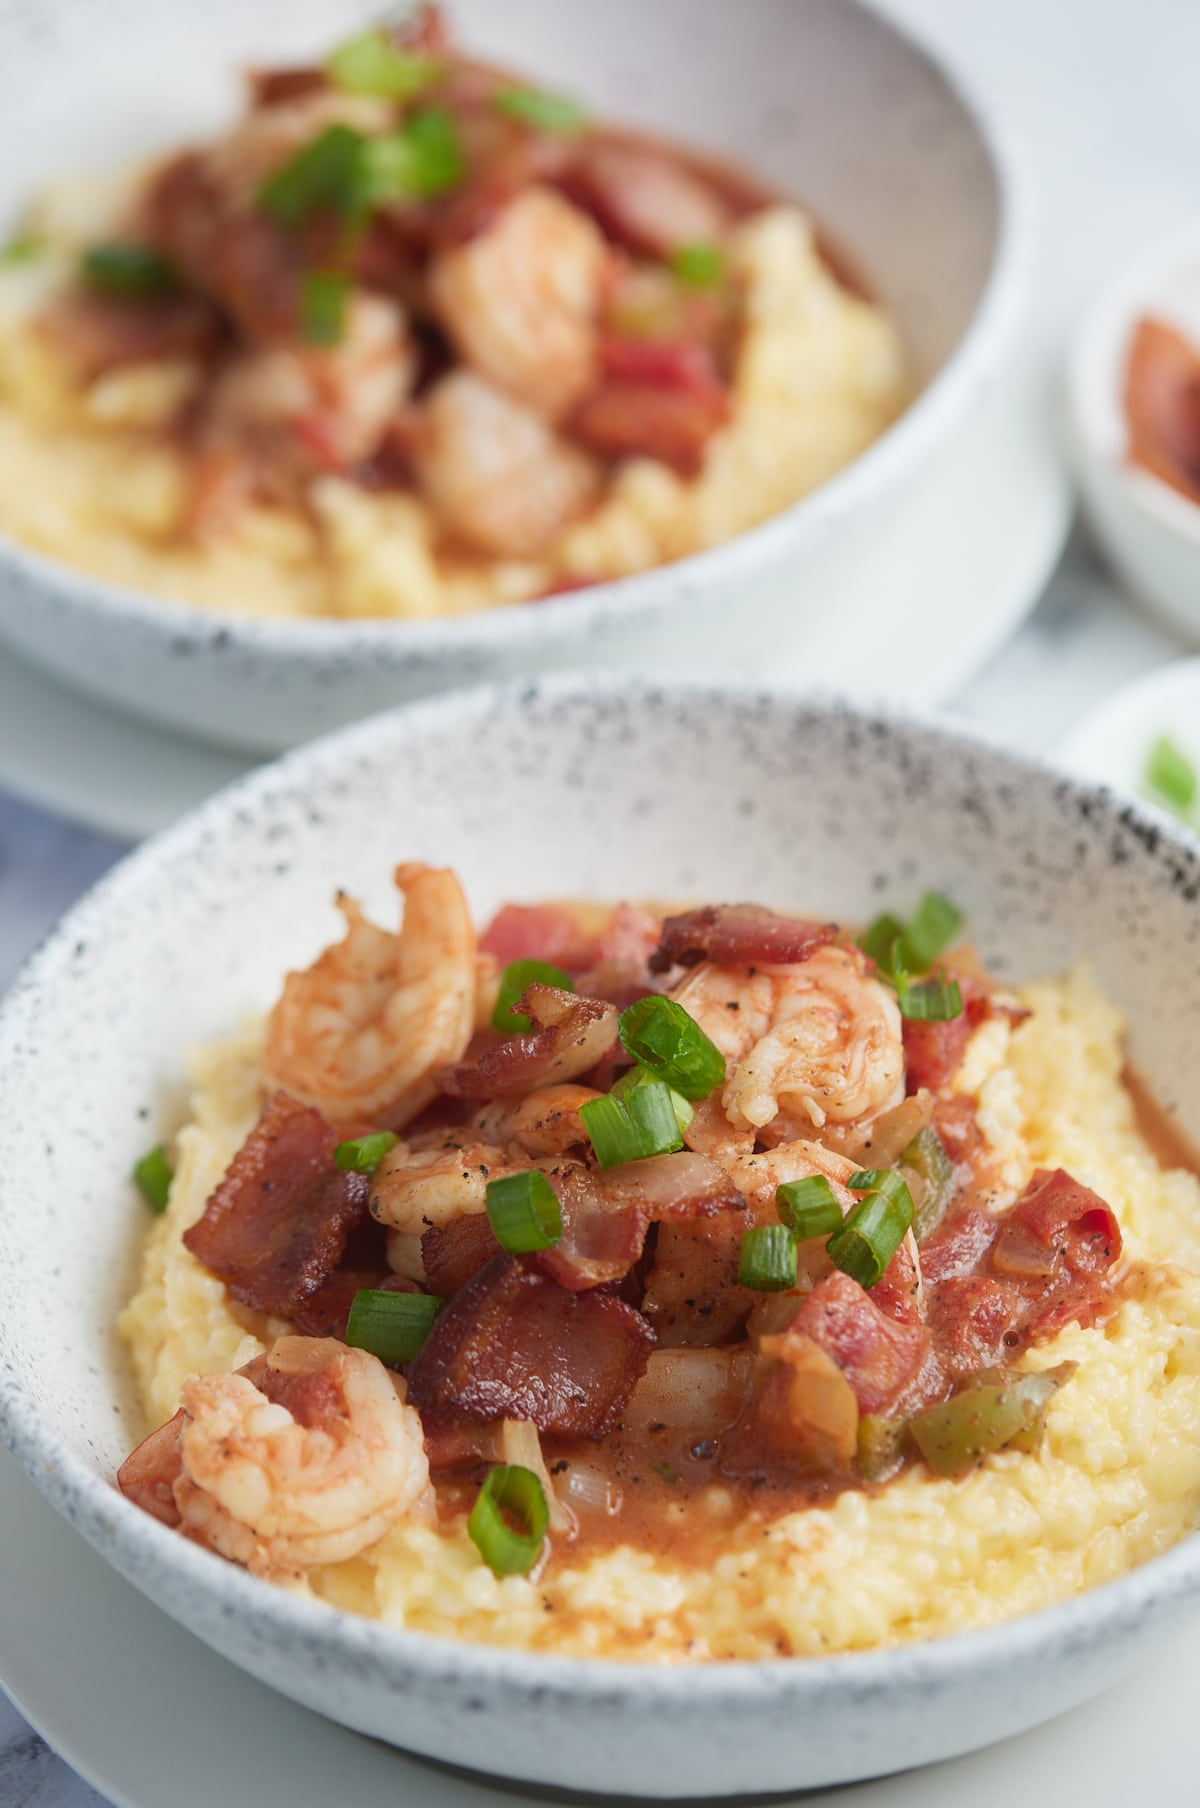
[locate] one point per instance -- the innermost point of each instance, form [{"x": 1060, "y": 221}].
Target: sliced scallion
[
  {"x": 767, "y": 1261},
  {"x": 543, "y": 111},
  {"x": 642, "y": 1076},
  {"x": 153, "y": 1175},
  {"x": 874, "y": 1230},
  {"x": 372, "y": 64},
  {"x": 639, "y": 1124},
  {"x": 931, "y": 928},
  {"x": 524, "y": 1212},
  {"x": 323, "y": 307},
  {"x": 20, "y": 248},
  {"x": 509, "y": 1493},
  {"x": 928, "y": 1000},
  {"x": 662, "y": 1036},
  {"x": 417, "y": 164},
  {"x": 515, "y": 981},
  {"x": 808, "y": 1207},
  {"x": 363, "y": 1154},
  {"x": 700, "y": 266},
  {"x": 330, "y": 174},
  {"x": 1171, "y": 777},
  {"x": 392, "y": 1326},
  {"x": 134, "y": 271}
]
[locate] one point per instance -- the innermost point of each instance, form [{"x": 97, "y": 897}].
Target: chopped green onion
[
  {"x": 996, "y": 1412},
  {"x": 417, "y": 164},
  {"x": 808, "y": 1207},
  {"x": 130, "y": 270},
  {"x": 1171, "y": 777},
  {"x": 912, "y": 947},
  {"x": 524, "y": 1212},
  {"x": 515, "y": 1491},
  {"x": 930, "y": 930},
  {"x": 543, "y": 111},
  {"x": 929, "y": 1000},
  {"x": 392, "y": 1326},
  {"x": 666, "y": 1473},
  {"x": 700, "y": 266},
  {"x": 329, "y": 174},
  {"x": 642, "y": 1076},
  {"x": 372, "y": 64},
  {"x": 515, "y": 981},
  {"x": 882, "y": 939},
  {"x": 881, "y": 1444},
  {"x": 153, "y": 1175},
  {"x": 20, "y": 248},
  {"x": 323, "y": 307},
  {"x": 767, "y": 1261},
  {"x": 363, "y": 1154},
  {"x": 874, "y": 1230},
  {"x": 634, "y": 1126},
  {"x": 661, "y": 1035},
  {"x": 926, "y": 1156}
]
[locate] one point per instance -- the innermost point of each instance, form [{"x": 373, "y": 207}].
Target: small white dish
[
  {"x": 1112, "y": 745},
  {"x": 828, "y": 100},
  {"x": 988, "y": 523},
  {"x": 1147, "y": 529},
  {"x": 804, "y": 802}
]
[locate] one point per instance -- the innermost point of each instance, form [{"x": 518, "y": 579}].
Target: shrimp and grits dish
[
  {"x": 417, "y": 337},
  {"x": 673, "y": 1286}
]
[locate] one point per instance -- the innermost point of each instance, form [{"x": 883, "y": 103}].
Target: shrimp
[
  {"x": 324, "y": 406},
  {"x": 521, "y": 299},
  {"x": 806, "y": 1044},
  {"x": 416, "y": 1190},
  {"x": 443, "y": 1174},
  {"x": 310, "y": 1457},
  {"x": 363, "y": 1032},
  {"x": 500, "y": 478}
]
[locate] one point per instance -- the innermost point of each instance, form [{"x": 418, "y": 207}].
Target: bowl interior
[
  {"x": 605, "y": 792},
  {"x": 826, "y": 100}
]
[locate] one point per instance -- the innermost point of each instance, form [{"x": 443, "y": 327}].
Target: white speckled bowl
[
  {"x": 555, "y": 789},
  {"x": 1148, "y": 530},
  {"x": 825, "y": 98}
]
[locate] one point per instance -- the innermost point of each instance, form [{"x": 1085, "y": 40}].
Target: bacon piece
[
  {"x": 878, "y": 1356},
  {"x": 546, "y": 932},
  {"x": 1162, "y": 405},
  {"x": 451, "y": 1253},
  {"x": 1057, "y": 1222},
  {"x": 977, "y": 1321},
  {"x": 692, "y": 1294},
  {"x": 276, "y": 87},
  {"x": 276, "y": 1226},
  {"x": 99, "y": 333},
  {"x": 641, "y": 420},
  {"x": 570, "y": 1035},
  {"x": 450, "y": 1441},
  {"x": 619, "y": 964},
  {"x": 933, "y": 1052},
  {"x": 327, "y": 1312},
  {"x": 644, "y": 198},
  {"x": 735, "y": 935},
  {"x": 513, "y": 1344},
  {"x": 147, "y": 1476},
  {"x": 898, "y": 1293},
  {"x": 606, "y": 1215},
  {"x": 956, "y": 1122},
  {"x": 958, "y": 1246}
]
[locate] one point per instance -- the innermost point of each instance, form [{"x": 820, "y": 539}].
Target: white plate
[
  {"x": 1112, "y": 743},
  {"x": 931, "y": 598},
  {"x": 133, "y": 1701}
]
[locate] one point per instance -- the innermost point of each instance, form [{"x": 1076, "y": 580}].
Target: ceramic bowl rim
[
  {"x": 171, "y": 1569},
  {"x": 191, "y": 627}
]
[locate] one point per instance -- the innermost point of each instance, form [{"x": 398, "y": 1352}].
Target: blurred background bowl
[{"x": 826, "y": 100}]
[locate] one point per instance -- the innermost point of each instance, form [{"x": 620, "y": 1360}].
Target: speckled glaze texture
[
  {"x": 559, "y": 787},
  {"x": 826, "y": 99}
]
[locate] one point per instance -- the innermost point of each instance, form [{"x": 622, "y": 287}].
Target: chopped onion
[{"x": 520, "y": 1444}]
